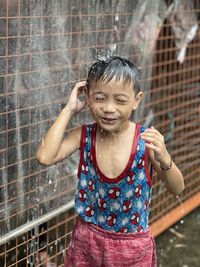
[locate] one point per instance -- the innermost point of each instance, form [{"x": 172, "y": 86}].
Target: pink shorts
[{"x": 92, "y": 246}]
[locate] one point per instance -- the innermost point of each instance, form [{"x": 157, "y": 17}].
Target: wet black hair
[{"x": 114, "y": 67}]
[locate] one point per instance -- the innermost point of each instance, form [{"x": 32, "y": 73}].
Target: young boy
[{"x": 114, "y": 186}]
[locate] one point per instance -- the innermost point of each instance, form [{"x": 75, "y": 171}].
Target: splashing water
[{"x": 181, "y": 204}]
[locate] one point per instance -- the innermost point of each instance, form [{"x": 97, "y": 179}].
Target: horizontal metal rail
[{"x": 30, "y": 225}]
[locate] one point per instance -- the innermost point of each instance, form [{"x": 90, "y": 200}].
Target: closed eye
[
  {"x": 99, "y": 98},
  {"x": 121, "y": 100}
]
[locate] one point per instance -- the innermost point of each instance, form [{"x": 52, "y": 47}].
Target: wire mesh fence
[{"x": 45, "y": 47}]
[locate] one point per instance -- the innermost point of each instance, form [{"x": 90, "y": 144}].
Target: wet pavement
[{"x": 179, "y": 246}]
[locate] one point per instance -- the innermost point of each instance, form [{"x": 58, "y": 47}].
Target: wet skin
[{"x": 111, "y": 104}]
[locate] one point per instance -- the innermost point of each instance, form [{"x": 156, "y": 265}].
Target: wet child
[{"x": 114, "y": 173}]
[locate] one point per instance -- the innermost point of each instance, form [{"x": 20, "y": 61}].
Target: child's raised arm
[
  {"x": 162, "y": 162},
  {"x": 54, "y": 146}
]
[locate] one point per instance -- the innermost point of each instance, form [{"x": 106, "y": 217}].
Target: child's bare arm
[
  {"x": 54, "y": 147},
  {"x": 161, "y": 160}
]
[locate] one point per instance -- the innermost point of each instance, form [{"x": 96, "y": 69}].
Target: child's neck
[{"x": 113, "y": 135}]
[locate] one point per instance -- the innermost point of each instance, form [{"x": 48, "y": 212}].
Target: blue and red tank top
[{"x": 119, "y": 204}]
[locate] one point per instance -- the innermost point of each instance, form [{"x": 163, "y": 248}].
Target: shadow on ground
[{"x": 179, "y": 246}]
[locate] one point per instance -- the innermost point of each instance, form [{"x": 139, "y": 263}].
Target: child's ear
[{"x": 138, "y": 99}]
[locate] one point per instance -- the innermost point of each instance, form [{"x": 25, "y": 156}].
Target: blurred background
[{"x": 46, "y": 46}]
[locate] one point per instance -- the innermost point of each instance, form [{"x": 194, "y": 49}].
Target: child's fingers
[
  {"x": 153, "y": 147},
  {"x": 152, "y": 130},
  {"x": 152, "y": 136},
  {"x": 80, "y": 84},
  {"x": 152, "y": 140},
  {"x": 79, "y": 88},
  {"x": 153, "y": 133}
]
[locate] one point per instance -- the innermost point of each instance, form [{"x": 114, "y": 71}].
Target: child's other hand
[
  {"x": 74, "y": 103},
  {"x": 156, "y": 143}
]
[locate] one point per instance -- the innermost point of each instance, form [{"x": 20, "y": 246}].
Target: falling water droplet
[{"x": 181, "y": 204}]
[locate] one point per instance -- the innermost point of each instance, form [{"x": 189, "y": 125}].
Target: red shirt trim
[
  {"x": 146, "y": 164},
  {"x": 82, "y": 146}
]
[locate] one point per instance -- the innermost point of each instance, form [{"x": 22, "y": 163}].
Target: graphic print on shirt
[
  {"x": 102, "y": 204},
  {"x": 91, "y": 185},
  {"x": 127, "y": 206},
  {"x": 130, "y": 178},
  {"x": 84, "y": 168},
  {"x": 135, "y": 218},
  {"x": 120, "y": 205},
  {"x": 138, "y": 191},
  {"x": 114, "y": 193},
  {"x": 82, "y": 195},
  {"x": 89, "y": 211},
  {"x": 111, "y": 219}
]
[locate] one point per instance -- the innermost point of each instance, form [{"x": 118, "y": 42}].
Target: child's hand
[
  {"x": 156, "y": 143},
  {"x": 74, "y": 103}
]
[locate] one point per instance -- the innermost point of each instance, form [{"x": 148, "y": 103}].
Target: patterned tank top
[{"x": 119, "y": 204}]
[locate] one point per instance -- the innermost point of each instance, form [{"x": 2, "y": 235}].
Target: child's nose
[{"x": 109, "y": 107}]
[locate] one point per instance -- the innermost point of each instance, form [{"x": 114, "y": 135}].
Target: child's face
[{"x": 111, "y": 103}]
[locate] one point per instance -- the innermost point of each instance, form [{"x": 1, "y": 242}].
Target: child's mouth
[{"x": 107, "y": 120}]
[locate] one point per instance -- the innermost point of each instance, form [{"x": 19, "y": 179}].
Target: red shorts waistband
[{"x": 113, "y": 235}]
